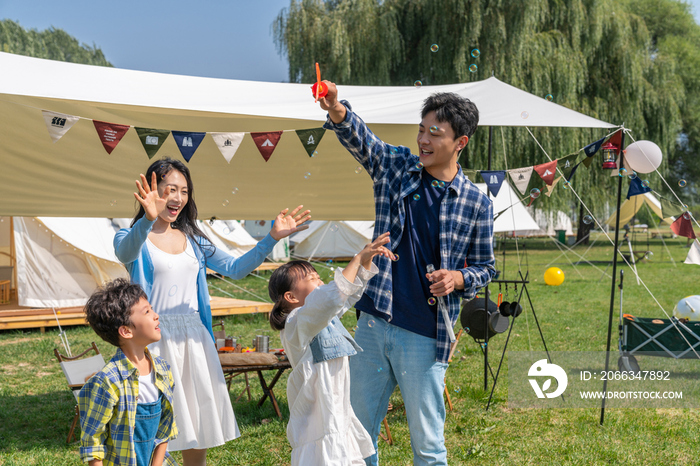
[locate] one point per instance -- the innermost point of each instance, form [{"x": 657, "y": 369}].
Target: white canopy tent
[
  {"x": 332, "y": 239},
  {"x": 78, "y": 178},
  {"x": 229, "y": 236},
  {"x": 59, "y": 261},
  {"x": 548, "y": 223},
  {"x": 513, "y": 217}
]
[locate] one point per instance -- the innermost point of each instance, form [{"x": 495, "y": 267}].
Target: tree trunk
[{"x": 584, "y": 230}]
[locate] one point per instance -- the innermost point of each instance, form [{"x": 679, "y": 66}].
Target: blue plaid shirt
[{"x": 466, "y": 219}]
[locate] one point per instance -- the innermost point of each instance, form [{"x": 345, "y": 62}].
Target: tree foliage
[
  {"x": 631, "y": 62},
  {"x": 52, "y": 43}
]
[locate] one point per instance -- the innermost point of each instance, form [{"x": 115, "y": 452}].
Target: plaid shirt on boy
[
  {"x": 466, "y": 219},
  {"x": 108, "y": 411}
]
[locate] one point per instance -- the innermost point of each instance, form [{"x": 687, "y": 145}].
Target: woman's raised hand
[
  {"x": 285, "y": 225},
  {"x": 149, "y": 198}
]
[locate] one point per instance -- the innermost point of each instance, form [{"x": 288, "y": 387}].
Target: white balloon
[
  {"x": 688, "y": 307},
  {"x": 643, "y": 156}
]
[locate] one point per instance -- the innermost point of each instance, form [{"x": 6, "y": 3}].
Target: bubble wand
[
  {"x": 318, "y": 89},
  {"x": 443, "y": 309}
]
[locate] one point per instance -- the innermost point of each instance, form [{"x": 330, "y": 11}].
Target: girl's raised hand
[
  {"x": 149, "y": 198},
  {"x": 376, "y": 248},
  {"x": 285, "y": 225}
]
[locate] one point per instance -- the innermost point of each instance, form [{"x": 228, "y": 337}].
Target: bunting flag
[
  {"x": 547, "y": 171},
  {"x": 683, "y": 227},
  {"x": 310, "y": 138},
  {"x": 471, "y": 175},
  {"x": 493, "y": 179},
  {"x": 152, "y": 139},
  {"x": 567, "y": 165},
  {"x": 636, "y": 188},
  {"x": 693, "y": 254},
  {"x": 550, "y": 188},
  {"x": 58, "y": 124},
  {"x": 188, "y": 142},
  {"x": 266, "y": 142},
  {"x": 670, "y": 209},
  {"x": 591, "y": 149},
  {"x": 228, "y": 143},
  {"x": 573, "y": 171},
  {"x": 521, "y": 178},
  {"x": 110, "y": 133}
]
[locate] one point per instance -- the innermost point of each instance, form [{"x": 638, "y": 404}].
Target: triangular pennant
[
  {"x": 547, "y": 171},
  {"x": 472, "y": 175},
  {"x": 266, "y": 142},
  {"x": 310, "y": 138},
  {"x": 110, "y": 134},
  {"x": 567, "y": 164},
  {"x": 573, "y": 171},
  {"x": 550, "y": 187},
  {"x": 636, "y": 188},
  {"x": 693, "y": 254},
  {"x": 591, "y": 149},
  {"x": 58, "y": 124},
  {"x": 683, "y": 226},
  {"x": 228, "y": 143},
  {"x": 521, "y": 178},
  {"x": 493, "y": 179},
  {"x": 670, "y": 209},
  {"x": 152, "y": 139},
  {"x": 188, "y": 142}
]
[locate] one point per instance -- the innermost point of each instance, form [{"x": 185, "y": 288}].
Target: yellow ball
[{"x": 554, "y": 276}]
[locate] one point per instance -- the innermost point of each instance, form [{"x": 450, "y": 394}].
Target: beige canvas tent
[
  {"x": 633, "y": 204},
  {"x": 76, "y": 177}
]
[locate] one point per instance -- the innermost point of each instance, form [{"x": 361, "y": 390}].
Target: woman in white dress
[
  {"x": 167, "y": 254},
  {"x": 323, "y": 428}
]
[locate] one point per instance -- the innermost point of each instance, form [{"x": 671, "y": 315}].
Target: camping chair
[
  {"x": 77, "y": 372},
  {"x": 227, "y": 375}
]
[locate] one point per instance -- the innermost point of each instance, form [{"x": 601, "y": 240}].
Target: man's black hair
[{"x": 460, "y": 112}]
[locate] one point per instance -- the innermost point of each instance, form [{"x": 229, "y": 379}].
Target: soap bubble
[
  {"x": 227, "y": 230},
  {"x": 434, "y": 184},
  {"x": 681, "y": 183},
  {"x": 395, "y": 259},
  {"x": 314, "y": 153},
  {"x": 370, "y": 323},
  {"x": 358, "y": 169},
  {"x": 587, "y": 219},
  {"x": 419, "y": 165},
  {"x": 416, "y": 197},
  {"x": 334, "y": 228},
  {"x": 307, "y": 175},
  {"x": 549, "y": 97},
  {"x": 686, "y": 215},
  {"x": 476, "y": 53},
  {"x": 473, "y": 67},
  {"x": 234, "y": 191},
  {"x": 566, "y": 184},
  {"x": 441, "y": 184},
  {"x": 113, "y": 202},
  {"x": 524, "y": 115},
  {"x": 379, "y": 370},
  {"x": 434, "y": 48},
  {"x": 645, "y": 183},
  {"x": 457, "y": 389},
  {"x": 632, "y": 175},
  {"x": 418, "y": 83},
  {"x": 431, "y": 301},
  {"x": 172, "y": 291},
  {"x": 433, "y": 129},
  {"x": 649, "y": 255},
  {"x": 224, "y": 202},
  {"x": 171, "y": 264},
  {"x": 622, "y": 172},
  {"x": 329, "y": 262},
  {"x": 535, "y": 193}
]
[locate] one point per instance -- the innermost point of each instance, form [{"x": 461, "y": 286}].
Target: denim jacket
[{"x": 333, "y": 342}]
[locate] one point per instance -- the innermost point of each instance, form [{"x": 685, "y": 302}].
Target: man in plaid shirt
[{"x": 436, "y": 216}]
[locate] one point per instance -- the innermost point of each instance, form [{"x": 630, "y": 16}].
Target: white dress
[
  {"x": 323, "y": 428},
  {"x": 201, "y": 402}
]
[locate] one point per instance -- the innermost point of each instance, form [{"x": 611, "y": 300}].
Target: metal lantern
[{"x": 610, "y": 151}]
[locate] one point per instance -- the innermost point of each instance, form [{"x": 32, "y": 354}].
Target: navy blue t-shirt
[{"x": 418, "y": 247}]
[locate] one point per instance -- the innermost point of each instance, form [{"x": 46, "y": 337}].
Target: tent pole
[
  {"x": 614, "y": 271},
  {"x": 13, "y": 258},
  {"x": 486, "y": 292}
]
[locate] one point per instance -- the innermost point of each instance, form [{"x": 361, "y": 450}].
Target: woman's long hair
[
  {"x": 186, "y": 221},
  {"x": 282, "y": 280}
]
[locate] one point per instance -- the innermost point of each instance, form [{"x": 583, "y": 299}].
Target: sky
[{"x": 218, "y": 39}]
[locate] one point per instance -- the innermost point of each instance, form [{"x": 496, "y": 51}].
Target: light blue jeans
[{"x": 394, "y": 356}]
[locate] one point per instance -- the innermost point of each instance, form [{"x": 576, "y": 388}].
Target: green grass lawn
[{"x": 36, "y": 406}]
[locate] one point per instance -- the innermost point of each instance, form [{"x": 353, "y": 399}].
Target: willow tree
[
  {"x": 52, "y": 43},
  {"x": 597, "y": 57}
]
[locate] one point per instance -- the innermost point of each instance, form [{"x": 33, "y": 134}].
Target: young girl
[
  {"x": 167, "y": 254},
  {"x": 323, "y": 428}
]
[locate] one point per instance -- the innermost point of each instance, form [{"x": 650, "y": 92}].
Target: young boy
[
  {"x": 435, "y": 216},
  {"x": 126, "y": 412}
]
